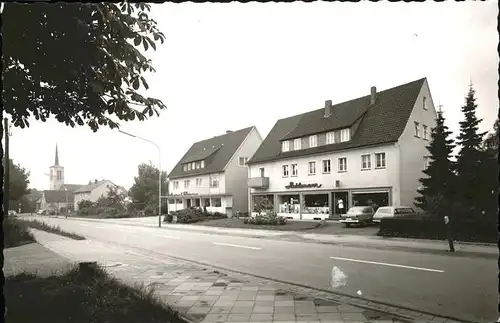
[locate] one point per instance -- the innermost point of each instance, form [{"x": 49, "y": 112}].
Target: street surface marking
[
  {"x": 391, "y": 265},
  {"x": 235, "y": 245},
  {"x": 163, "y": 236},
  {"x": 84, "y": 225}
]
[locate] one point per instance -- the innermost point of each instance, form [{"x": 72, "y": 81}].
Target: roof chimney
[
  {"x": 328, "y": 108},
  {"x": 373, "y": 95}
]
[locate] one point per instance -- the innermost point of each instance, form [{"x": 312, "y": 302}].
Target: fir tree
[
  {"x": 470, "y": 158},
  {"x": 437, "y": 192}
]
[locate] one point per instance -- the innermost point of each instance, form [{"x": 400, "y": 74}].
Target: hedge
[
  {"x": 265, "y": 220},
  {"x": 193, "y": 216},
  {"x": 462, "y": 230}
]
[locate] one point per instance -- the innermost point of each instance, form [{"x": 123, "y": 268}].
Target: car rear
[{"x": 383, "y": 212}]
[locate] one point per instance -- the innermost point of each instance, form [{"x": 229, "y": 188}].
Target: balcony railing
[{"x": 258, "y": 182}]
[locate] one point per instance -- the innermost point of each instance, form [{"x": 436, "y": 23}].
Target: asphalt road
[{"x": 460, "y": 287}]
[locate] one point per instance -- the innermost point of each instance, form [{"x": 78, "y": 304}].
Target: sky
[{"x": 230, "y": 66}]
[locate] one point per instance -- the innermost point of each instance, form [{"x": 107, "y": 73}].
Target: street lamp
[{"x": 159, "y": 170}]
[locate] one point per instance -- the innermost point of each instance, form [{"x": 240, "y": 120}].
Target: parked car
[
  {"x": 357, "y": 215},
  {"x": 393, "y": 212},
  {"x": 41, "y": 212}
]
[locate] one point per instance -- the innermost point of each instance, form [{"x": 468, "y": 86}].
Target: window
[
  {"x": 417, "y": 129},
  {"x": 217, "y": 202},
  {"x": 214, "y": 181},
  {"x": 343, "y": 164},
  {"x": 171, "y": 201},
  {"x": 261, "y": 171},
  {"x": 424, "y": 104},
  {"x": 193, "y": 165},
  {"x": 186, "y": 183},
  {"x": 206, "y": 202},
  {"x": 312, "y": 168},
  {"x": 330, "y": 137},
  {"x": 326, "y": 166},
  {"x": 198, "y": 182},
  {"x": 344, "y": 135},
  {"x": 188, "y": 166},
  {"x": 313, "y": 141},
  {"x": 380, "y": 160},
  {"x": 176, "y": 185},
  {"x": 297, "y": 144},
  {"x": 202, "y": 164},
  {"x": 243, "y": 161},
  {"x": 366, "y": 162},
  {"x": 285, "y": 146},
  {"x": 425, "y": 134},
  {"x": 295, "y": 169},
  {"x": 197, "y": 165},
  {"x": 185, "y": 167},
  {"x": 285, "y": 170}
]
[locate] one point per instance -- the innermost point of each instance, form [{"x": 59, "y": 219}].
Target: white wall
[
  {"x": 353, "y": 178},
  {"x": 414, "y": 149},
  {"x": 95, "y": 194},
  {"x": 203, "y": 190},
  {"x": 236, "y": 176}
]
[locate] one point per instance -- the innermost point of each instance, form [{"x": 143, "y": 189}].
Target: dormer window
[
  {"x": 285, "y": 146},
  {"x": 313, "y": 141},
  {"x": 297, "y": 144},
  {"x": 330, "y": 138},
  {"x": 185, "y": 167},
  {"x": 189, "y": 166},
  {"x": 202, "y": 164},
  {"x": 345, "y": 135}
]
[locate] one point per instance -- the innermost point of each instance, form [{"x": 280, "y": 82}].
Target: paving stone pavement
[{"x": 203, "y": 294}]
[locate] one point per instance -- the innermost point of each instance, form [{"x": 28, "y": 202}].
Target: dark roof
[
  {"x": 380, "y": 123},
  {"x": 90, "y": 187},
  {"x": 219, "y": 149},
  {"x": 52, "y": 196}
]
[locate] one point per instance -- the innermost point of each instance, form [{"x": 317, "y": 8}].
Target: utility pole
[{"x": 6, "y": 167}]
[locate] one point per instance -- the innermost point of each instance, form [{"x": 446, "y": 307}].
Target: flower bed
[
  {"x": 270, "y": 219},
  {"x": 193, "y": 216}
]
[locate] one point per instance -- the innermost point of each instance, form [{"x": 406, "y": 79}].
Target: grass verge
[
  {"x": 16, "y": 233},
  {"x": 39, "y": 225},
  {"x": 239, "y": 224},
  {"x": 82, "y": 298}
]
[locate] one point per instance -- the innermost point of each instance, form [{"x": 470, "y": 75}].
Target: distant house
[
  {"x": 56, "y": 201},
  {"x": 94, "y": 190},
  {"x": 213, "y": 173}
]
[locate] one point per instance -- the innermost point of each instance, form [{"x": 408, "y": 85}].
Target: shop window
[
  {"x": 327, "y": 166},
  {"x": 312, "y": 168},
  {"x": 263, "y": 203},
  {"x": 289, "y": 204},
  {"x": 178, "y": 201},
  {"x": 170, "y": 201},
  {"x": 316, "y": 204},
  {"x": 206, "y": 202},
  {"x": 217, "y": 202}
]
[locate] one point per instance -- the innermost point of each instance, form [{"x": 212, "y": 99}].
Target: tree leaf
[
  {"x": 144, "y": 82},
  {"x": 145, "y": 43},
  {"x": 137, "y": 40},
  {"x": 135, "y": 83}
]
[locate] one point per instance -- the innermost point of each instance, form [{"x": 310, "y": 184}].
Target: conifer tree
[{"x": 437, "y": 192}]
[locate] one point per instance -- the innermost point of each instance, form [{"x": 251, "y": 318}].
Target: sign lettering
[{"x": 300, "y": 185}]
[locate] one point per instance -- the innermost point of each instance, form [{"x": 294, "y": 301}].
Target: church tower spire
[{"x": 56, "y": 163}]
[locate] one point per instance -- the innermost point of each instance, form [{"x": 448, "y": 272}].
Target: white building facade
[
  {"x": 213, "y": 174},
  {"x": 356, "y": 157}
]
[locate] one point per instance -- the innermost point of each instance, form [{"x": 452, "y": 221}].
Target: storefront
[
  {"x": 222, "y": 204},
  {"x": 262, "y": 204},
  {"x": 371, "y": 198},
  {"x": 289, "y": 206},
  {"x": 315, "y": 206}
]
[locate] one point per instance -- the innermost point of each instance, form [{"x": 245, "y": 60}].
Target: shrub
[
  {"x": 270, "y": 219},
  {"x": 16, "y": 233},
  {"x": 194, "y": 215},
  {"x": 462, "y": 230}
]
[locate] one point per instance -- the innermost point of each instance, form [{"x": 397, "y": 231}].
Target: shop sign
[{"x": 300, "y": 185}]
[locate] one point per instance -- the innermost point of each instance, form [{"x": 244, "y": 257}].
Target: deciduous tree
[
  {"x": 144, "y": 192},
  {"x": 78, "y": 62},
  {"x": 18, "y": 181}
]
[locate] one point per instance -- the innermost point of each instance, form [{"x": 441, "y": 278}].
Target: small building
[
  {"x": 94, "y": 190},
  {"x": 56, "y": 201},
  {"x": 213, "y": 173},
  {"x": 367, "y": 151}
]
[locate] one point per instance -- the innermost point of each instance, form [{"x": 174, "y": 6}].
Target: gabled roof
[
  {"x": 218, "y": 150},
  {"x": 71, "y": 187},
  {"x": 52, "y": 196},
  {"x": 90, "y": 187},
  {"x": 380, "y": 123}
]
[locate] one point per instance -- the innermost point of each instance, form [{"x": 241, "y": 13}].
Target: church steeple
[{"x": 56, "y": 163}]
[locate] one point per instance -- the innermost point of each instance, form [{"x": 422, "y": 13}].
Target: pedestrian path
[{"x": 204, "y": 294}]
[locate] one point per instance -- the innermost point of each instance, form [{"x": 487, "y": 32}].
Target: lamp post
[
  {"x": 159, "y": 170},
  {"x": 66, "y": 195}
]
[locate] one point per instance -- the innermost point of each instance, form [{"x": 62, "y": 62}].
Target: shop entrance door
[{"x": 340, "y": 203}]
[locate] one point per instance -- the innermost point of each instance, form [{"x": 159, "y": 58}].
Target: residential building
[
  {"x": 213, "y": 173},
  {"x": 366, "y": 151},
  {"x": 94, "y": 190}
]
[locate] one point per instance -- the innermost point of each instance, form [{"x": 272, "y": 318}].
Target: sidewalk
[
  {"x": 417, "y": 245},
  {"x": 204, "y": 294}
]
